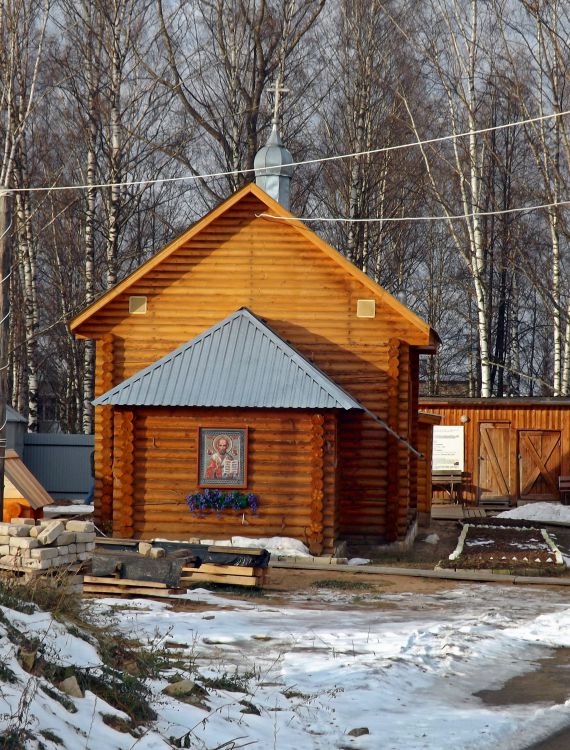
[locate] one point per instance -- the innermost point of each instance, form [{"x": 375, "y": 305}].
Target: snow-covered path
[
  {"x": 314, "y": 667},
  {"x": 403, "y": 666}
]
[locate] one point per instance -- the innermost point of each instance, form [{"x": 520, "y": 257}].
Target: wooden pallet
[
  {"x": 474, "y": 512},
  {"x": 127, "y": 587},
  {"x": 232, "y": 575}
]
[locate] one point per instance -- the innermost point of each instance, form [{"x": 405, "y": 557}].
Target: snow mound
[
  {"x": 539, "y": 512},
  {"x": 359, "y": 561},
  {"x": 431, "y": 539},
  {"x": 277, "y": 545}
]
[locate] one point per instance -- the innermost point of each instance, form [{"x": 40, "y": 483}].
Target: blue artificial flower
[{"x": 215, "y": 500}]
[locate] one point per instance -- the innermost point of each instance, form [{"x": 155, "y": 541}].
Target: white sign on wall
[{"x": 448, "y": 448}]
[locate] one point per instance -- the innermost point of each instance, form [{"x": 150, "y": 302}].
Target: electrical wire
[
  {"x": 321, "y": 160},
  {"x": 444, "y": 217}
]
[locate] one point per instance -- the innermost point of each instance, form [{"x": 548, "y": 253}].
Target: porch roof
[{"x": 239, "y": 362}]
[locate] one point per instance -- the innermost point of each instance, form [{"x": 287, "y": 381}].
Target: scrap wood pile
[
  {"x": 505, "y": 548},
  {"x": 244, "y": 567},
  {"x": 162, "y": 569}
]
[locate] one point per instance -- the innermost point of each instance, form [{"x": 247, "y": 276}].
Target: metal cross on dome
[{"x": 277, "y": 89}]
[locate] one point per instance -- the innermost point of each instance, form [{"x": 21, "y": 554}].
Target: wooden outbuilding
[
  {"x": 24, "y": 496},
  {"x": 515, "y": 449},
  {"x": 249, "y": 356}
]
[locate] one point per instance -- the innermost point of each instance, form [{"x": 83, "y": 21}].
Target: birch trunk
[
  {"x": 89, "y": 351},
  {"x": 27, "y": 261},
  {"x": 114, "y": 174}
]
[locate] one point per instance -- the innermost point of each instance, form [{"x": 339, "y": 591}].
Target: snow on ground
[
  {"x": 405, "y": 666},
  {"x": 546, "y": 512}
]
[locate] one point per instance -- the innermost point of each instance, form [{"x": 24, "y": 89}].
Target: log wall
[
  {"x": 425, "y": 426},
  {"x": 103, "y": 464},
  {"x": 285, "y": 449}
]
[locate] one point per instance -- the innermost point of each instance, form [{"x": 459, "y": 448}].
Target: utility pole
[{"x": 5, "y": 265}]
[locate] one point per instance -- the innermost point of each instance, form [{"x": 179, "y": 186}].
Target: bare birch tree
[
  {"x": 216, "y": 60},
  {"x": 541, "y": 85},
  {"x": 22, "y": 36},
  {"x": 452, "y": 49}
]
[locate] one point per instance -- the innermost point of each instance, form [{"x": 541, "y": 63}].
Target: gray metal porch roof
[{"x": 239, "y": 362}]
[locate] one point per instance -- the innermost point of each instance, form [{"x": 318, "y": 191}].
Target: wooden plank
[
  {"x": 229, "y": 580},
  {"x": 237, "y": 550},
  {"x": 109, "y": 540},
  {"x": 230, "y": 570},
  {"x": 124, "y": 582},
  {"x": 92, "y": 588}
]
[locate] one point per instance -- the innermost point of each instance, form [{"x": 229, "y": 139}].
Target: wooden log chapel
[{"x": 248, "y": 356}]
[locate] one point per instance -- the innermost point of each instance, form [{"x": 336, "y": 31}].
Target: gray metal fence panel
[{"x": 62, "y": 463}]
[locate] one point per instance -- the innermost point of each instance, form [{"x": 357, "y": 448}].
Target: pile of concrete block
[
  {"x": 147, "y": 550},
  {"x": 28, "y": 546}
]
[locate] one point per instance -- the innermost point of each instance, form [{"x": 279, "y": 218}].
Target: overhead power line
[
  {"x": 321, "y": 160},
  {"x": 443, "y": 217}
]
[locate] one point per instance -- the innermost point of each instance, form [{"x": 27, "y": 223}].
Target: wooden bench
[
  {"x": 451, "y": 482},
  {"x": 564, "y": 489}
]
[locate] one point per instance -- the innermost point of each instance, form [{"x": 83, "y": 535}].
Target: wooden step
[
  {"x": 495, "y": 503},
  {"x": 474, "y": 513}
]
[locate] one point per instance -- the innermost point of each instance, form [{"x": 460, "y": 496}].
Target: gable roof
[
  {"x": 431, "y": 337},
  {"x": 239, "y": 362},
  {"x": 13, "y": 416}
]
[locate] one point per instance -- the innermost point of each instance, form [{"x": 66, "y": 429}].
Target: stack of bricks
[{"x": 27, "y": 546}]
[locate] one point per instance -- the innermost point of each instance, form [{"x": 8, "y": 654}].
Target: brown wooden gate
[
  {"x": 539, "y": 464},
  {"x": 494, "y": 461}
]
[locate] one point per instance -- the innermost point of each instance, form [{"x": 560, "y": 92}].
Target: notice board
[{"x": 448, "y": 448}]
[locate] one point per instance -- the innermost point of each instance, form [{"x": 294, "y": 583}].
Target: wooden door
[
  {"x": 494, "y": 461},
  {"x": 539, "y": 464}
]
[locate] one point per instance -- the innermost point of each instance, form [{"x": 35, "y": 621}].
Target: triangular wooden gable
[{"x": 429, "y": 337}]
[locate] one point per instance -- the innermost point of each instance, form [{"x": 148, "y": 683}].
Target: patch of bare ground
[
  {"x": 432, "y": 545},
  {"x": 558, "y": 741},
  {"x": 284, "y": 581},
  {"x": 186, "y": 605},
  {"x": 547, "y": 684}
]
